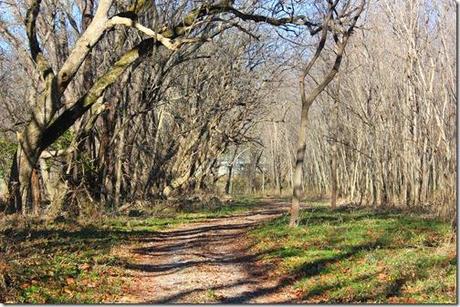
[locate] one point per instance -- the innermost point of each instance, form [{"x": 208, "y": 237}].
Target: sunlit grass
[
  {"x": 362, "y": 256},
  {"x": 334, "y": 256}
]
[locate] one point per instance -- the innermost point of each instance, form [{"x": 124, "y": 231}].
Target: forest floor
[{"x": 243, "y": 252}]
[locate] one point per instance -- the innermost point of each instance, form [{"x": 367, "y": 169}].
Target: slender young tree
[{"x": 339, "y": 22}]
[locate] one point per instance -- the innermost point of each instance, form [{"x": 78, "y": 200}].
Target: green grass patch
[{"x": 350, "y": 255}]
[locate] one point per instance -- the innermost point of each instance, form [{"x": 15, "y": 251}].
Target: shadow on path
[
  {"x": 213, "y": 262},
  {"x": 211, "y": 258}
]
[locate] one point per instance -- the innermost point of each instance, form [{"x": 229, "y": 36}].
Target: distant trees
[
  {"x": 386, "y": 124},
  {"x": 395, "y": 148}
]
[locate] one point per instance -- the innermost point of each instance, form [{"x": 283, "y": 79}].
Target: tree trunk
[
  {"x": 307, "y": 101},
  {"x": 35, "y": 189},
  {"x": 14, "y": 201},
  {"x": 20, "y": 178},
  {"x": 228, "y": 185},
  {"x": 333, "y": 175},
  {"x": 333, "y": 161},
  {"x": 298, "y": 171},
  {"x": 119, "y": 170}
]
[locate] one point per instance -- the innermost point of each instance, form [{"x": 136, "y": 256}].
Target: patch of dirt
[{"x": 205, "y": 262}]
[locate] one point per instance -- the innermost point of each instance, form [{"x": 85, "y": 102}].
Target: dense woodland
[
  {"x": 263, "y": 151},
  {"x": 114, "y": 102}
]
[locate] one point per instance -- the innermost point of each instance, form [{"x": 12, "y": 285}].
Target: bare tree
[{"x": 339, "y": 21}]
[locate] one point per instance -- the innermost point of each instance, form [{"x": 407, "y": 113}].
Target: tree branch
[
  {"x": 65, "y": 120},
  {"x": 31, "y": 30}
]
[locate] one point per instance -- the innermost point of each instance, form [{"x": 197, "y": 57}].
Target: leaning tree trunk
[{"x": 37, "y": 135}]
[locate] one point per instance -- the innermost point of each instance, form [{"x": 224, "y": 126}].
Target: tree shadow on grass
[
  {"x": 257, "y": 273},
  {"x": 193, "y": 238},
  {"x": 182, "y": 241},
  {"x": 39, "y": 261},
  {"x": 320, "y": 215},
  {"x": 81, "y": 239}
]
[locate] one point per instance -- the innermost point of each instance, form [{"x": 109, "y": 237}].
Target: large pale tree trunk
[{"x": 34, "y": 139}]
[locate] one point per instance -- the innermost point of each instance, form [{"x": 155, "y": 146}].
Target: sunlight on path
[{"x": 204, "y": 262}]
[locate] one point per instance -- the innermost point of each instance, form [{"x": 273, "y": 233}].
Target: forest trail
[{"x": 205, "y": 262}]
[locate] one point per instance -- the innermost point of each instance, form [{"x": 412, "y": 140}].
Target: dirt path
[{"x": 205, "y": 262}]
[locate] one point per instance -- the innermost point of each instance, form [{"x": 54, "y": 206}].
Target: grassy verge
[
  {"x": 71, "y": 263},
  {"x": 348, "y": 255}
]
